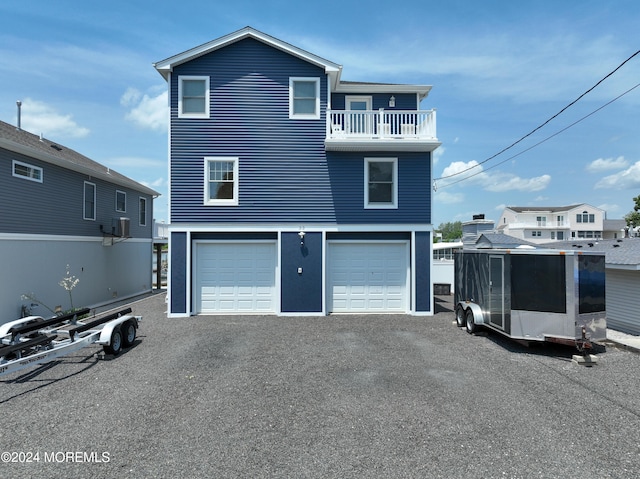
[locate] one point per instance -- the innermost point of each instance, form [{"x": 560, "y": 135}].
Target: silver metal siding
[{"x": 622, "y": 300}]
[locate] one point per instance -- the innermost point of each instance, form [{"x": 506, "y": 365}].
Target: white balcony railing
[{"x": 381, "y": 124}]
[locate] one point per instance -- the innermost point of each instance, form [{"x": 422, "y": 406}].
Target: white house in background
[
  {"x": 442, "y": 270},
  {"x": 541, "y": 224}
]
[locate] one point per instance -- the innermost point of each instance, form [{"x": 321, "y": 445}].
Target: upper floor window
[
  {"x": 193, "y": 97},
  {"x": 89, "y": 210},
  {"x": 304, "y": 98},
  {"x": 380, "y": 183},
  {"x": 26, "y": 171},
  {"x": 541, "y": 220},
  {"x": 142, "y": 213},
  {"x": 121, "y": 201},
  {"x": 221, "y": 181},
  {"x": 585, "y": 217}
]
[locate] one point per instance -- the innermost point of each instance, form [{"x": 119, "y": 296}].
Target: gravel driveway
[{"x": 335, "y": 397}]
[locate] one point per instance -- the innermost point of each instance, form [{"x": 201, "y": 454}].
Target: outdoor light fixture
[
  {"x": 392, "y": 102},
  {"x": 301, "y": 234}
]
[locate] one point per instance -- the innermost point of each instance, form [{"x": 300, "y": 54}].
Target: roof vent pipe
[{"x": 19, "y": 103}]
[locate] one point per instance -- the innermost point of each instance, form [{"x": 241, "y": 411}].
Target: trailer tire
[
  {"x": 115, "y": 345},
  {"x": 460, "y": 318},
  {"x": 471, "y": 326},
  {"x": 128, "y": 333}
]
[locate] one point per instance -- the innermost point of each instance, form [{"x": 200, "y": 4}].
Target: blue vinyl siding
[
  {"x": 55, "y": 206},
  {"x": 178, "y": 260},
  {"x": 404, "y": 101},
  {"x": 301, "y": 292},
  {"x": 423, "y": 250}
]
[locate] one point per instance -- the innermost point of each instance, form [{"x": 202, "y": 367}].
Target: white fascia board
[
  {"x": 295, "y": 227},
  {"x": 164, "y": 67}
]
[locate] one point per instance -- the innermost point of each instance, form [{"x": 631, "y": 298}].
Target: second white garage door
[
  {"x": 367, "y": 277},
  {"x": 235, "y": 277}
]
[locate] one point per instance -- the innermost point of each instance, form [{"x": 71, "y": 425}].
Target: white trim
[
  {"x": 394, "y": 185},
  {"x": 304, "y": 116},
  {"x": 169, "y": 158},
  {"x": 288, "y": 227},
  {"x": 207, "y": 96},
  {"x": 368, "y": 99},
  {"x": 84, "y": 201},
  {"x": 208, "y": 201},
  {"x": 26, "y": 165},
  {"x": 125, "y": 201}
]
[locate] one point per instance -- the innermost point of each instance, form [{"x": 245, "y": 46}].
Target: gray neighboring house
[{"x": 61, "y": 208}]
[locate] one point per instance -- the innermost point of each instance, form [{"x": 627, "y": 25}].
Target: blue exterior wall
[
  {"x": 404, "y": 101},
  {"x": 424, "y": 257},
  {"x": 55, "y": 206},
  {"x": 178, "y": 259},
  {"x": 301, "y": 292}
]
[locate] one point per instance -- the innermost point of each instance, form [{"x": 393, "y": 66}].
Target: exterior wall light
[
  {"x": 301, "y": 234},
  {"x": 392, "y": 102}
]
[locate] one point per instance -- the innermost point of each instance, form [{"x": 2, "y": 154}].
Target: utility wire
[
  {"x": 532, "y": 146},
  {"x": 541, "y": 125}
]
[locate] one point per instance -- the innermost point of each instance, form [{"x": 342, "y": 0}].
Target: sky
[{"x": 499, "y": 70}]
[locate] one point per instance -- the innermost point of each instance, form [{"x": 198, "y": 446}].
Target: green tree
[
  {"x": 450, "y": 231},
  {"x": 633, "y": 218}
]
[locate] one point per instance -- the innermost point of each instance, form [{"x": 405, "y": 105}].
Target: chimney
[{"x": 19, "y": 103}]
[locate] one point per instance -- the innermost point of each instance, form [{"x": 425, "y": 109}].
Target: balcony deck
[{"x": 381, "y": 130}]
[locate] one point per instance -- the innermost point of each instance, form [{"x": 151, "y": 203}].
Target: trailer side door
[{"x": 496, "y": 291}]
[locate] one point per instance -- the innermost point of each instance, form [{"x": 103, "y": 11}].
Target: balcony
[{"x": 381, "y": 130}]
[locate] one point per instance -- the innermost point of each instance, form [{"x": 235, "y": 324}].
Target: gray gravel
[{"x": 336, "y": 397}]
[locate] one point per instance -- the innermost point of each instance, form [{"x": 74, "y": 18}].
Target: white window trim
[
  {"x": 27, "y": 165},
  {"x": 141, "y": 200},
  {"x": 236, "y": 181},
  {"x": 125, "y": 201},
  {"x": 207, "y": 93},
  {"x": 299, "y": 116},
  {"x": 84, "y": 201},
  {"x": 381, "y": 206},
  {"x": 365, "y": 98}
]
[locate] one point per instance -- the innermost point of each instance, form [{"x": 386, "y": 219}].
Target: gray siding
[
  {"x": 622, "y": 300},
  {"x": 55, "y": 206}
]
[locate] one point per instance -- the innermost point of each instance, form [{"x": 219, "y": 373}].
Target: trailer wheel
[
  {"x": 116, "y": 343},
  {"x": 471, "y": 326},
  {"x": 460, "y": 319},
  {"x": 128, "y": 333}
]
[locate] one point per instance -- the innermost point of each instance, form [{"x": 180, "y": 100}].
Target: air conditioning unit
[{"x": 120, "y": 227}]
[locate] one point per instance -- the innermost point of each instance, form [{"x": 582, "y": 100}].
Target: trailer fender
[
  {"x": 107, "y": 329},
  {"x": 5, "y": 329},
  {"x": 478, "y": 316}
]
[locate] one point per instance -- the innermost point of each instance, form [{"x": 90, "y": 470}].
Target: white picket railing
[{"x": 381, "y": 124}]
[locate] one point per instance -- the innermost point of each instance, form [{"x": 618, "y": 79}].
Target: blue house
[
  {"x": 292, "y": 191},
  {"x": 61, "y": 208}
]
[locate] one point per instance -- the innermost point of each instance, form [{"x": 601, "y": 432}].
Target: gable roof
[
  {"x": 501, "y": 241},
  {"x": 28, "y": 144},
  {"x": 165, "y": 66},
  {"x": 333, "y": 70}
]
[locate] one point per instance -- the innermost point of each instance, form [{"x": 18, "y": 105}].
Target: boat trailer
[{"x": 34, "y": 340}]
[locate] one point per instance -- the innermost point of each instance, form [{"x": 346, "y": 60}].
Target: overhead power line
[{"x": 542, "y": 125}]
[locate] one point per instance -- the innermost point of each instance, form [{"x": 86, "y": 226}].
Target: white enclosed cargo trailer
[{"x": 533, "y": 294}]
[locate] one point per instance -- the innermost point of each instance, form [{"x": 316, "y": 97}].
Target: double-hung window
[
  {"x": 304, "y": 98},
  {"x": 193, "y": 97},
  {"x": 89, "y": 210},
  {"x": 27, "y": 171},
  {"x": 121, "y": 201},
  {"x": 381, "y": 183},
  {"x": 221, "y": 181}
]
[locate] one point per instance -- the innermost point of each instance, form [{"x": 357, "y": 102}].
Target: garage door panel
[
  {"x": 235, "y": 277},
  {"x": 366, "y": 277}
]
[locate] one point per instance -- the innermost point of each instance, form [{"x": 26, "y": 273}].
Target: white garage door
[
  {"x": 367, "y": 277},
  {"x": 235, "y": 277}
]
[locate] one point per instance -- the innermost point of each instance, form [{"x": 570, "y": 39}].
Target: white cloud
[
  {"x": 438, "y": 154},
  {"x": 623, "y": 180},
  {"x": 609, "y": 208},
  {"x": 500, "y": 207},
  {"x": 603, "y": 164},
  {"x": 507, "y": 182},
  {"x": 472, "y": 173},
  {"x": 448, "y": 198},
  {"x": 134, "y": 162},
  {"x": 158, "y": 183},
  {"x": 146, "y": 111},
  {"x": 40, "y": 118}
]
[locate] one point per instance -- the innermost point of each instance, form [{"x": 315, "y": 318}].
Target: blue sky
[{"x": 84, "y": 73}]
